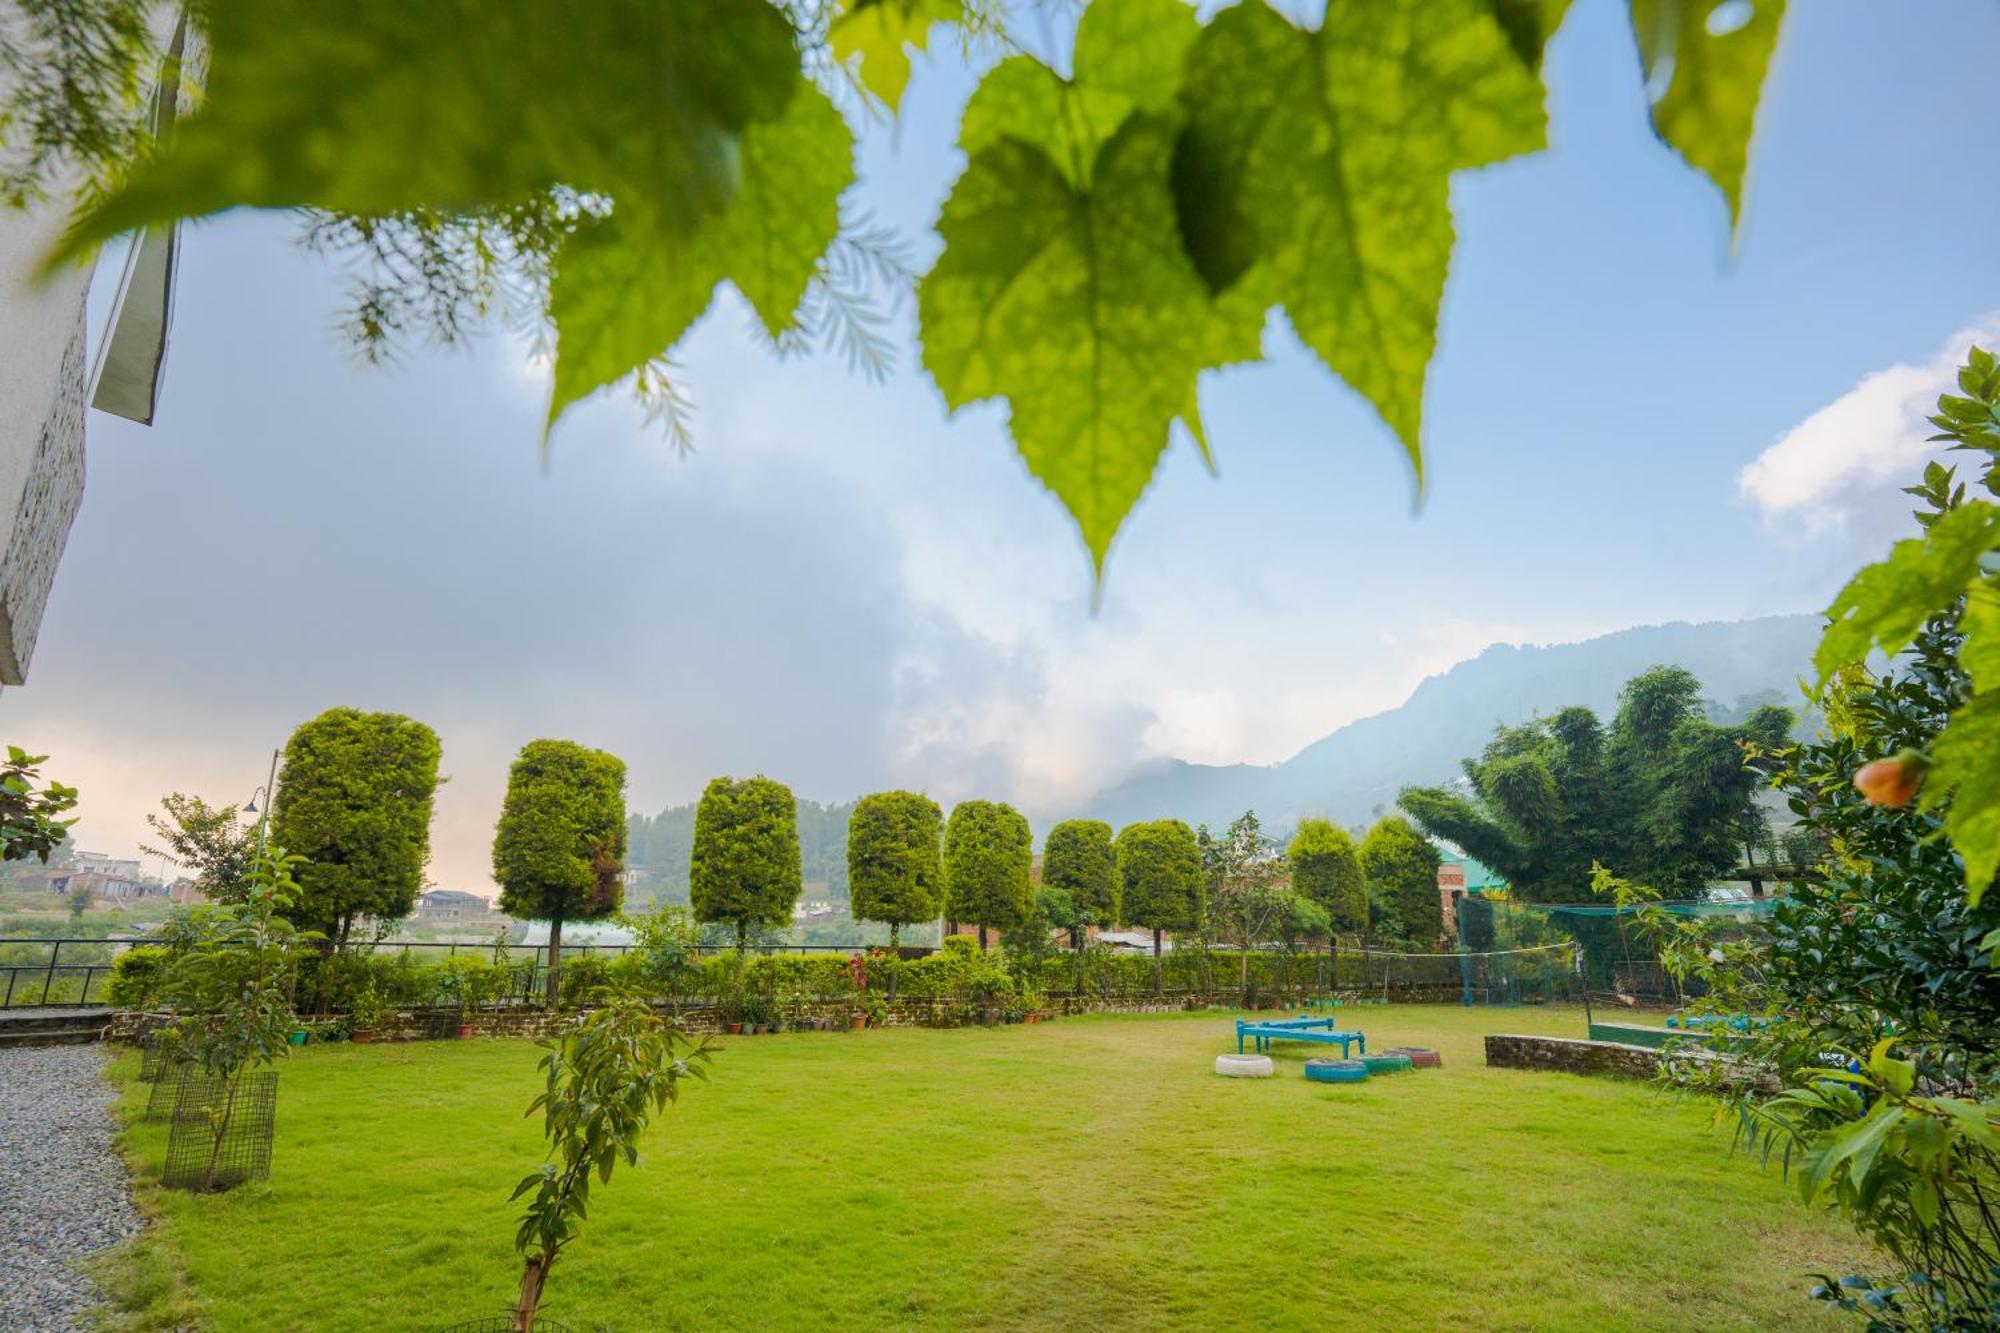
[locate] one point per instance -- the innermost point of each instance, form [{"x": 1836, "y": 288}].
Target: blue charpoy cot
[{"x": 1302, "y": 1028}]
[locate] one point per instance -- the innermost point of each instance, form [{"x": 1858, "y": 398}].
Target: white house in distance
[{"x": 46, "y": 385}]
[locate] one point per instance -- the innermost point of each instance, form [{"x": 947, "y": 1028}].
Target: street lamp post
[{"x": 264, "y": 815}]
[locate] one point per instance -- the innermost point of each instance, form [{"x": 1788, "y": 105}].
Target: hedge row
[{"x": 959, "y": 974}]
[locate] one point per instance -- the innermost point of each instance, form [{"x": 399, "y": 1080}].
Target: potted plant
[
  {"x": 878, "y": 1011},
  {"x": 371, "y": 1015}
]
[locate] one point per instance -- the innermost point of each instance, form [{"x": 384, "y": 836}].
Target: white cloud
[{"x": 1844, "y": 466}]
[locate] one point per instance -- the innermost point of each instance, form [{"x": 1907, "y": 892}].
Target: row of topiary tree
[{"x": 354, "y": 800}]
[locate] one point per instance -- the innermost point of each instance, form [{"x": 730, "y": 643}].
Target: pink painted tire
[{"x": 1421, "y": 1057}]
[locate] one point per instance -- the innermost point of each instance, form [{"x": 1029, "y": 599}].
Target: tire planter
[
  {"x": 1387, "y": 1063},
  {"x": 1421, "y": 1057},
  {"x": 1244, "y": 1066},
  {"x": 1327, "y": 1069}
]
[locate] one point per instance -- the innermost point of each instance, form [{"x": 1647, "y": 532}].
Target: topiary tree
[
  {"x": 559, "y": 849},
  {"x": 354, "y": 799},
  {"x": 1159, "y": 880},
  {"x": 1326, "y": 868},
  {"x": 988, "y": 854},
  {"x": 744, "y": 869},
  {"x": 1081, "y": 860},
  {"x": 895, "y": 870},
  {"x": 1400, "y": 866}
]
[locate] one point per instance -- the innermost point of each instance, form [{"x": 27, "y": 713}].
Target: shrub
[{"x": 136, "y": 976}]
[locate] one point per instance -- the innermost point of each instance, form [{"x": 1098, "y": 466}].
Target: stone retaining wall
[{"x": 1571, "y": 1055}]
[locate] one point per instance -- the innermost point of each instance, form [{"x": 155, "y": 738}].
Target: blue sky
[{"x": 845, "y": 589}]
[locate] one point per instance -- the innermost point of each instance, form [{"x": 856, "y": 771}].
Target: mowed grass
[{"x": 1092, "y": 1173}]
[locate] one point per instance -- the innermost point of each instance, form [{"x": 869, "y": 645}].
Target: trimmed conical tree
[
  {"x": 1159, "y": 880},
  {"x": 895, "y": 872},
  {"x": 559, "y": 849},
  {"x": 988, "y": 854},
  {"x": 354, "y": 798},
  {"x": 1081, "y": 859},
  {"x": 744, "y": 869}
]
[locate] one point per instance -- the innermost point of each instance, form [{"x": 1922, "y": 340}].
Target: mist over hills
[{"x": 1355, "y": 772}]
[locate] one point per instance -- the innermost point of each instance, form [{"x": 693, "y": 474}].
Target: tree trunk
[
  {"x": 742, "y": 938},
  {"x": 221, "y": 1129},
  {"x": 895, "y": 955},
  {"x": 555, "y": 956},
  {"x": 533, "y": 1276},
  {"x": 1243, "y": 975},
  {"x": 1159, "y": 968},
  {"x": 982, "y": 937}
]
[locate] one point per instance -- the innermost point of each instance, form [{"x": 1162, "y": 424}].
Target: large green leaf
[
  {"x": 1128, "y": 58},
  {"x": 627, "y": 288},
  {"x": 880, "y": 34},
  {"x": 1705, "y": 62},
  {"x": 381, "y": 106},
  {"x": 1078, "y": 305},
  {"x": 1317, "y": 169},
  {"x": 1965, "y": 769},
  {"x": 1885, "y": 604}
]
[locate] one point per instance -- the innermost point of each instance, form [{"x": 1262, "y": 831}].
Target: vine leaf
[
  {"x": 881, "y": 33},
  {"x": 1076, "y": 303},
  {"x": 1128, "y": 61},
  {"x": 625, "y": 289},
  {"x": 1705, "y": 62},
  {"x": 377, "y": 107},
  {"x": 1128, "y": 58},
  {"x": 1316, "y": 172}
]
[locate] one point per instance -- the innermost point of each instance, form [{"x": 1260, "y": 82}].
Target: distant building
[
  {"x": 452, "y": 905},
  {"x": 97, "y": 863},
  {"x": 1459, "y": 875}
]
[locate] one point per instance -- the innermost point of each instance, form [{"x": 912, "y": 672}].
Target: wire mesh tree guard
[{"x": 222, "y": 1130}]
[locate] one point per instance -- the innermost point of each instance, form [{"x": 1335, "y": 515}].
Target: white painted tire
[{"x": 1243, "y": 1066}]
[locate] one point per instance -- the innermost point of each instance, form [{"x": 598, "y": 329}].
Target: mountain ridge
[{"x": 1356, "y": 770}]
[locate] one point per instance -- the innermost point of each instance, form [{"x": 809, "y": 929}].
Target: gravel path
[{"x": 63, "y": 1189}]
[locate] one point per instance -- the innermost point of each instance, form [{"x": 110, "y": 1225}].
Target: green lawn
[{"x": 1091, "y": 1173}]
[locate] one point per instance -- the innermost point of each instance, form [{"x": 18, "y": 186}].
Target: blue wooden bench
[{"x": 1297, "y": 1029}]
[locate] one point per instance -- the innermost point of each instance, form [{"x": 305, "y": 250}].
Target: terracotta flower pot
[
  {"x": 365, "y": 1036},
  {"x": 732, "y": 1028},
  {"x": 857, "y": 1022},
  {"x": 465, "y": 1032}
]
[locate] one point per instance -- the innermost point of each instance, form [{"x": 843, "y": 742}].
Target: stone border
[{"x": 1570, "y": 1055}]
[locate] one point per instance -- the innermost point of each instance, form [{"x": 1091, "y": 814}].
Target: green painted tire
[
  {"x": 1326, "y": 1069},
  {"x": 1387, "y": 1063}
]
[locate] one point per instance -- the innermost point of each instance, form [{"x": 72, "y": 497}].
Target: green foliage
[
  {"x": 1401, "y": 866},
  {"x": 895, "y": 870},
  {"x": 1878, "y": 1003},
  {"x": 604, "y": 1079},
  {"x": 208, "y": 841},
  {"x": 745, "y": 868},
  {"x": 137, "y": 975},
  {"x": 988, "y": 853},
  {"x": 1159, "y": 875},
  {"x": 28, "y": 814},
  {"x": 1665, "y": 798},
  {"x": 1326, "y": 870},
  {"x": 558, "y": 851},
  {"x": 354, "y": 800},
  {"x": 229, "y": 982},
  {"x": 1115, "y": 232},
  {"x": 72, "y": 95},
  {"x": 1949, "y": 571},
  {"x": 1080, "y": 861},
  {"x": 1703, "y": 78}
]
